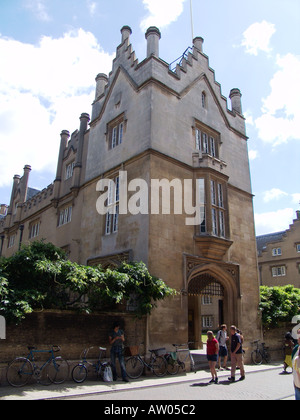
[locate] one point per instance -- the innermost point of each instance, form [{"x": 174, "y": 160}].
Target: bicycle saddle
[
  {"x": 102, "y": 348},
  {"x": 31, "y": 348}
]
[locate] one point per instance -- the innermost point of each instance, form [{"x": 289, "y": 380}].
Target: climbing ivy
[
  {"x": 279, "y": 304},
  {"x": 39, "y": 276}
]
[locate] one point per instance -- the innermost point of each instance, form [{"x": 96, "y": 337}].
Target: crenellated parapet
[{"x": 192, "y": 68}]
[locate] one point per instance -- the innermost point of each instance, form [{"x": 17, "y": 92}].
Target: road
[{"x": 263, "y": 385}]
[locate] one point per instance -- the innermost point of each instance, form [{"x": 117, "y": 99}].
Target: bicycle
[
  {"x": 54, "y": 370},
  {"x": 174, "y": 363},
  {"x": 260, "y": 353},
  {"x": 135, "y": 364},
  {"x": 80, "y": 371}
]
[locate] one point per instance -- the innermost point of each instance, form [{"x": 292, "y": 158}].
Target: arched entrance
[{"x": 212, "y": 300}]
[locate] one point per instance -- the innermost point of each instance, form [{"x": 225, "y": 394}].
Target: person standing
[
  {"x": 296, "y": 367},
  {"x": 236, "y": 354},
  {"x": 288, "y": 349},
  {"x": 212, "y": 355},
  {"x": 116, "y": 340},
  {"x": 223, "y": 351}
]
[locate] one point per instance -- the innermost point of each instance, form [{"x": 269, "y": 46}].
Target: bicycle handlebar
[
  {"x": 55, "y": 348},
  {"x": 184, "y": 344}
]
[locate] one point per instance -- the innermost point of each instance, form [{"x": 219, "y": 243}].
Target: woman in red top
[{"x": 212, "y": 355}]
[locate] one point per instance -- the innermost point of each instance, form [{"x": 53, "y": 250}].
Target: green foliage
[
  {"x": 40, "y": 277},
  {"x": 279, "y": 304}
]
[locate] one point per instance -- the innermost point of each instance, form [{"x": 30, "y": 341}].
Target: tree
[
  {"x": 39, "y": 276},
  {"x": 279, "y": 304}
]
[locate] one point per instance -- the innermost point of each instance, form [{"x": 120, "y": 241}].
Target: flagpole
[{"x": 192, "y": 20}]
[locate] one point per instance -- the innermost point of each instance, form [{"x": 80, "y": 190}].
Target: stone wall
[
  {"x": 274, "y": 339},
  {"x": 71, "y": 331}
]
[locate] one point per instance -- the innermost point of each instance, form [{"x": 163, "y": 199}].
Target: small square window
[{"x": 116, "y": 130}]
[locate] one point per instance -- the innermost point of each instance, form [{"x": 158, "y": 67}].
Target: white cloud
[
  {"x": 274, "y": 194},
  {"x": 253, "y": 154},
  {"x": 280, "y": 119},
  {"x": 43, "y": 90},
  {"x": 92, "y": 7},
  {"x": 257, "y": 37},
  {"x": 38, "y": 7},
  {"x": 275, "y": 221},
  {"x": 296, "y": 198},
  {"x": 161, "y": 13}
]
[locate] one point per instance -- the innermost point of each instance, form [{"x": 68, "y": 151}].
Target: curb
[{"x": 70, "y": 389}]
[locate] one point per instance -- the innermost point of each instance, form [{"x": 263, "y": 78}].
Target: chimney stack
[
  {"x": 101, "y": 82},
  {"x": 153, "y": 36},
  {"x": 236, "y": 102},
  {"x": 126, "y": 32},
  {"x": 198, "y": 43}
]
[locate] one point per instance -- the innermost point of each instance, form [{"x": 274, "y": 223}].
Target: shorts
[
  {"x": 212, "y": 358},
  {"x": 223, "y": 352}
]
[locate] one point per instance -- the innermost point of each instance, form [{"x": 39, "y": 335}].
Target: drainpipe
[
  {"x": 2, "y": 242},
  {"x": 21, "y": 235}
]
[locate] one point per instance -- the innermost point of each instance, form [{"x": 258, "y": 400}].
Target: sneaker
[
  {"x": 212, "y": 381},
  {"x": 242, "y": 378},
  {"x": 231, "y": 379},
  {"x": 216, "y": 381},
  {"x": 125, "y": 380}
]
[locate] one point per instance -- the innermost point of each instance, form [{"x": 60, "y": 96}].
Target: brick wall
[{"x": 71, "y": 331}]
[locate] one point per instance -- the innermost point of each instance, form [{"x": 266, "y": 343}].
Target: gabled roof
[
  {"x": 31, "y": 192},
  {"x": 263, "y": 240}
]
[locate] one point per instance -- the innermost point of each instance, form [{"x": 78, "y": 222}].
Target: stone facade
[
  {"x": 156, "y": 123},
  {"x": 279, "y": 256}
]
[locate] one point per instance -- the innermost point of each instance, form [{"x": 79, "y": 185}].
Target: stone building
[
  {"x": 179, "y": 196},
  {"x": 279, "y": 256}
]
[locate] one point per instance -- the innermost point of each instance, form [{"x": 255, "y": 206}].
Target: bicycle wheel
[
  {"x": 159, "y": 366},
  {"x": 134, "y": 367},
  {"x": 267, "y": 356},
  {"x": 79, "y": 374},
  {"x": 58, "y": 370},
  {"x": 193, "y": 365},
  {"x": 19, "y": 371},
  {"x": 172, "y": 365},
  {"x": 256, "y": 357}
]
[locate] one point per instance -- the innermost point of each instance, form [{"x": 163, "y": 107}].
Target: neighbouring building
[
  {"x": 279, "y": 256},
  {"x": 169, "y": 127}
]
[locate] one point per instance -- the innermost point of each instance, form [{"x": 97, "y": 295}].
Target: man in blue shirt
[{"x": 236, "y": 354}]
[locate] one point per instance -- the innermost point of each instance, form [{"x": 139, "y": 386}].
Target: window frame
[
  {"x": 279, "y": 271},
  {"x": 113, "y": 202},
  {"x": 116, "y": 131},
  {"x": 213, "y": 206},
  {"x": 69, "y": 170},
  {"x": 277, "y": 252},
  {"x": 34, "y": 229},
  {"x": 65, "y": 215},
  {"x": 207, "y": 140},
  {"x": 11, "y": 240},
  {"x": 207, "y": 321},
  {"x": 203, "y": 100}
]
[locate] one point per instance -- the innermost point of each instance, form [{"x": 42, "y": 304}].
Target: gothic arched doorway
[{"x": 212, "y": 301}]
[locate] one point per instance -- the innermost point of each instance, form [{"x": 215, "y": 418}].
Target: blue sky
[{"x": 52, "y": 50}]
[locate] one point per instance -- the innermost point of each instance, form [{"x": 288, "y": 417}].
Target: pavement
[{"x": 92, "y": 387}]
